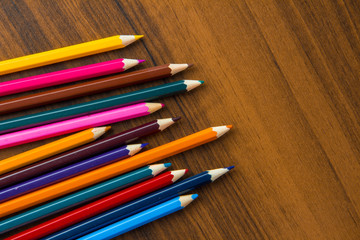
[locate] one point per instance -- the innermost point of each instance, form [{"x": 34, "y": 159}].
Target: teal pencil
[
  {"x": 59, "y": 114},
  {"x": 83, "y": 196}
]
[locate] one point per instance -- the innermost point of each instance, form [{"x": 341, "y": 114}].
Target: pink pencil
[
  {"x": 77, "y": 124},
  {"x": 66, "y": 76}
]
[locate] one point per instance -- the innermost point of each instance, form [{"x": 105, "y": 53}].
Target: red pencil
[{"x": 100, "y": 206}]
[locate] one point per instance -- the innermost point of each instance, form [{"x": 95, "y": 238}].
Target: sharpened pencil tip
[
  {"x": 99, "y": 131},
  {"x": 191, "y": 84},
  {"x": 221, "y": 130},
  {"x": 229, "y": 126},
  {"x": 153, "y": 107},
  {"x": 190, "y": 65},
  {"x": 187, "y": 199},
  {"x": 201, "y": 81},
  {"x": 165, "y": 123},
  {"x": 216, "y": 173},
  {"x": 177, "y": 174},
  {"x": 128, "y": 39},
  {"x": 229, "y": 168},
  {"x": 177, "y": 67},
  {"x": 176, "y": 119},
  {"x": 158, "y": 168},
  {"x": 129, "y": 63},
  {"x": 162, "y": 105},
  {"x": 141, "y": 60},
  {"x": 134, "y": 149},
  {"x": 186, "y": 170},
  {"x": 144, "y": 145}
]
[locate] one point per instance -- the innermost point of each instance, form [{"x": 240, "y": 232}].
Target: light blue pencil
[{"x": 141, "y": 218}]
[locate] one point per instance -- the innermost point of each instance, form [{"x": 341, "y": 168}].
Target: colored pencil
[
  {"x": 77, "y": 124},
  {"x": 112, "y": 170},
  {"x": 89, "y": 88},
  {"x": 70, "y": 171},
  {"x": 86, "y": 151},
  {"x": 100, "y": 205},
  {"x": 92, "y": 224},
  {"x": 147, "y": 94},
  {"x": 66, "y": 76},
  {"x": 141, "y": 218},
  {"x": 51, "y": 149},
  {"x": 82, "y": 197},
  {"x": 66, "y": 53}
]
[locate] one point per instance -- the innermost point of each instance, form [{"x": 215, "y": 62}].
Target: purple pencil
[
  {"x": 84, "y": 152},
  {"x": 69, "y": 171}
]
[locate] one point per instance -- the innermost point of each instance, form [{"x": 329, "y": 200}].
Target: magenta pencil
[
  {"x": 77, "y": 124},
  {"x": 67, "y": 76}
]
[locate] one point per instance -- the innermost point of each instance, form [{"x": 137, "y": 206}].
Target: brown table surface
[{"x": 286, "y": 75}]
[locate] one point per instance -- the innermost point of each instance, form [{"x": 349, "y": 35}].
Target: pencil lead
[
  {"x": 167, "y": 165},
  {"x": 141, "y": 60},
  {"x": 137, "y": 37},
  {"x": 190, "y": 65},
  {"x": 191, "y": 84},
  {"x": 144, "y": 145},
  {"x": 176, "y": 119},
  {"x": 231, "y": 167}
]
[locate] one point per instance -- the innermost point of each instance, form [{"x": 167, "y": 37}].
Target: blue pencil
[
  {"x": 126, "y": 210},
  {"x": 83, "y": 196},
  {"x": 141, "y": 218},
  {"x": 70, "y": 171}
]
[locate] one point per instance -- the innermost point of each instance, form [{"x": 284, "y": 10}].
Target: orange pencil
[
  {"x": 112, "y": 170},
  {"x": 51, "y": 149}
]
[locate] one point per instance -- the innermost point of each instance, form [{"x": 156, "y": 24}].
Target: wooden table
[{"x": 286, "y": 75}]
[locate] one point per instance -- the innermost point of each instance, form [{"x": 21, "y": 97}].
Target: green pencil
[
  {"x": 82, "y": 196},
  {"x": 60, "y": 114}
]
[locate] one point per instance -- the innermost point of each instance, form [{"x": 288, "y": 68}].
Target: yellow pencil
[
  {"x": 66, "y": 53},
  {"x": 51, "y": 149}
]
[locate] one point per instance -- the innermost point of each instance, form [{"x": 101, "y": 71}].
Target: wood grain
[{"x": 284, "y": 73}]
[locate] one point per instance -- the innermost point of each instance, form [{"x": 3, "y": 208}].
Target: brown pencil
[{"x": 91, "y": 87}]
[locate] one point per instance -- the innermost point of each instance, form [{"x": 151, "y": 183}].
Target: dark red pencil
[
  {"x": 83, "y": 152},
  {"x": 100, "y": 206}
]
